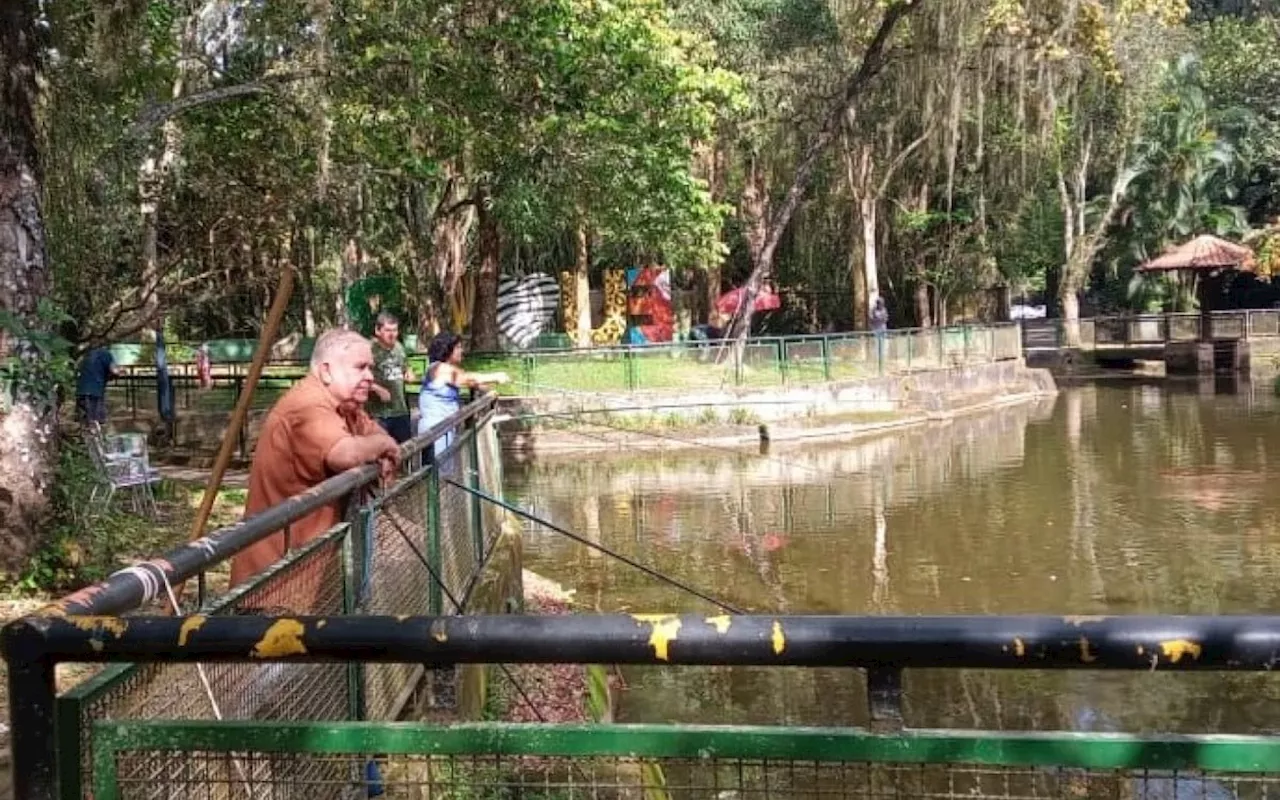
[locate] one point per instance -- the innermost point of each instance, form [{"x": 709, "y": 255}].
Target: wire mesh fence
[
  {"x": 380, "y": 562},
  {"x": 759, "y": 362},
  {"x": 699, "y": 764}
]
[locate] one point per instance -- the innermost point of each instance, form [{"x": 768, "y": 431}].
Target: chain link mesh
[
  {"x": 558, "y": 778},
  {"x": 389, "y": 538},
  {"x": 240, "y": 691}
]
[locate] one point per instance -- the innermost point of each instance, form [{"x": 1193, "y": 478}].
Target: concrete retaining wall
[
  {"x": 932, "y": 390},
  {"x": 736, "y": 417}
]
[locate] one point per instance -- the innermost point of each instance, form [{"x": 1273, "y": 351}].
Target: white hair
[{"x": 332, "y": 342}]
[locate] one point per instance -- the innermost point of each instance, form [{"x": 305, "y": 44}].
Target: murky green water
[{"x": 1111, "y": 498}]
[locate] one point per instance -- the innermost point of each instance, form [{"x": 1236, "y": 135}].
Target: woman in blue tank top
[{"x": 441, "y": 394}]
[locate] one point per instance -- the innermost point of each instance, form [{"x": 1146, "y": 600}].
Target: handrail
[
  {"x": 300, "y": 364},
  {"x": 129, "y": 588},
  {"x": 1139, "y": 643}
]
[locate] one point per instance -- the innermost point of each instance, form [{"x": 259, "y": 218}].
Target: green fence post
[
  {"x": 527, "y": 368},
  {"x": 351, "y": 582},
  {"x": 435, "y": 597},
  {"x": 70, "y": 753},
  {"x": 965, "y": 330},
  {"x": 782, "y": 361},
  {"x": 629, "y": 364},
  {"x": 473, "y": 480},
  {"x": 826, "y": 358}
]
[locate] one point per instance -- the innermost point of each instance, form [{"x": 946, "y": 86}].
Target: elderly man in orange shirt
[{"x": 316, "y": 430}]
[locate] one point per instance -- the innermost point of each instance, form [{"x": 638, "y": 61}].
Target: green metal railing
[
  {"x": 759, "y": 362},
  {"x": 366, "y": 565},
  {"x": 314, "y": 759},
  {"x": 496, "y": 760}
]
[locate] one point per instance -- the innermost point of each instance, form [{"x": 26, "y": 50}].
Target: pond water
[{"x": 1122, "y": 497}]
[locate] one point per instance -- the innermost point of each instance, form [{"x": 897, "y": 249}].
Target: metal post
[
  {"x": 826, "y": 358},
  {"x": 473, "y": 479},
  {"x": 884, "y": 698},
  {"x": 355, "y": 669},
  {"x": 32, "y": 693},
  {"x": 435, "y": 596}
]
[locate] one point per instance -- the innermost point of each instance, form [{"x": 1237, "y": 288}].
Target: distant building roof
[{"x": 1203, "y": 253}]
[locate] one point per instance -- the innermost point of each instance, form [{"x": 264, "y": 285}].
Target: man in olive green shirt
[{"x": 390, "y": 373}]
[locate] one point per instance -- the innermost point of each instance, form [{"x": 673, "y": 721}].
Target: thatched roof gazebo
[
  {"x": 1203, "y": 253},
  {"x": 1206, "y": 257}
]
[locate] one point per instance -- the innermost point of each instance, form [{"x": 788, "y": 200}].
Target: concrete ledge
[{"x": 752, "y": 418}]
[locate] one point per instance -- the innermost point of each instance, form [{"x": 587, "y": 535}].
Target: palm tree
[{"x": 1185, "y": 175}]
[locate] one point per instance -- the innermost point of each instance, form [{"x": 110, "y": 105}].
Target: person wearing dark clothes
[{"x": 97, "y": 367}]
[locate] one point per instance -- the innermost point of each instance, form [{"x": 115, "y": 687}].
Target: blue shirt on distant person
[
  {"x": 97, "y": 367},
  {"x": 95, "y": 370}
]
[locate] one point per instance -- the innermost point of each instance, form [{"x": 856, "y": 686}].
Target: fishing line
[
  {"x": 524, "y": 696},
  {"x": 579, "y": 413},
  {"x": 596, "y": 546},
  {"x": 395, "y": 523}
]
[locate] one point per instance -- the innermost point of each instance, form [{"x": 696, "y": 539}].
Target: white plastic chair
[{"x": 123, "y": 463}]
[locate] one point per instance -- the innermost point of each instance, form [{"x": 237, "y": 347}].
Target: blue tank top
[{"x": 436, "y": 402}]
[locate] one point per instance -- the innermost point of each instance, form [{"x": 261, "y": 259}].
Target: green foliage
[
  {"x": 599, "y": 705},
  {"x": 39, "y": 359},
  {"x": 1240, "y": 75},
  {"x": 79, "y": 549},
  {"x": 370, "y": 296}
]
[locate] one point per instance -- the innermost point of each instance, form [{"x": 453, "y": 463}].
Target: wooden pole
[{"x": 229, "y": 437}]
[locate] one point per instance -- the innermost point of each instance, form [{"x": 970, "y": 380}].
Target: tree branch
[
  {"x": 873, "y": 61},
  {"x": 156, "y": 114},
  {"x": 903, "y": 155}
]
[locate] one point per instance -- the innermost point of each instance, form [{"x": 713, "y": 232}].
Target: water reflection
[{"x": 1126, "y": 498}]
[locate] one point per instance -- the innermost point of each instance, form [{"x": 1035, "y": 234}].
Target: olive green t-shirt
[{"x": 388, "y": 371}]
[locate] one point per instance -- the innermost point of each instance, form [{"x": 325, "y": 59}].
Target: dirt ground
[{"x": 176, "y": 508}]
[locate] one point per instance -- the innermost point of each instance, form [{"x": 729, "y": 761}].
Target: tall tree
[
  {"x": 28, "y": 407},
  {"x": 769, "y": 220}
]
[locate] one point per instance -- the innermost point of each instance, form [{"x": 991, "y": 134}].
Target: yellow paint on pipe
[
  {"x": 721, "y": 623},
  {"x": 283, "y": 638},
  {"x": 189, "y": 626},
  {"x": 665, "y": 628},
  {"x": 1019, "y": 648},
  {"x": 779, "y": 641},
  {"x": 1085, "y": 655},
  {"x": 112, "y": 625},
  {"x": 1175, "y": 649}
]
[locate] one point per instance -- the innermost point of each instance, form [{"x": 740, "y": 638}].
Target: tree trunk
[
  {"x": 858, "y": 278},
  {"x": 924, "y": 317},
  {"x": 719, "y": 183},
  {"x": 484, "y": 320},
  {"x": 308, "y": 268},
  {"x": 582, "y": 286},
  {"x": 28, "y": 408},
  {"x": 1069, "y": 301},
  {"x": 870, "y": 257},
  {"x": 156, "y": 170}
]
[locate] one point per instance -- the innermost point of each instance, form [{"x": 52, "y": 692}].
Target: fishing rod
[{"x": 684, "y": 587}]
